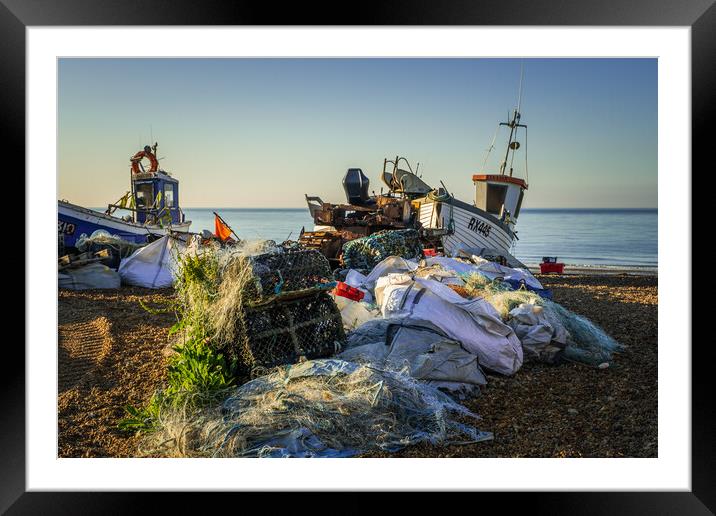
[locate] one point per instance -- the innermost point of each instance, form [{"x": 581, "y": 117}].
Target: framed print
[{"x": 238, "y": 280}]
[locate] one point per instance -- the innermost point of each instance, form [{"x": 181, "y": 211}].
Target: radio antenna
[{"x": 519, "y": 94}]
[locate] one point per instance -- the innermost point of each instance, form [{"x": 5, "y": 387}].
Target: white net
[{"x": 320, "y": 408}]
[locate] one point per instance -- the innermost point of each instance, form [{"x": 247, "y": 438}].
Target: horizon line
[{"x": 305, "y": 208}]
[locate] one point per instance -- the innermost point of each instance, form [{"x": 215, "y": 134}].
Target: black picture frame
[{"x": 700, "y": 15}]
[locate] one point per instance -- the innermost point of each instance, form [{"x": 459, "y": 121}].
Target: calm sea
[{"x": 576, "y": 237}]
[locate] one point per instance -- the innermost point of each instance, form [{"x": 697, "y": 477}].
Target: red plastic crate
[
  {"x": 546, "y": 268},
  {"x": 345, "y": 290},
  {"x": 430, "y": 252}
]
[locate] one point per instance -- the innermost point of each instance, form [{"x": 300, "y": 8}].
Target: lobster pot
[
  {"x": 286, "y": 331},
  {"x": 367, "y": 252},
  {"x": 291, "y": 271}
]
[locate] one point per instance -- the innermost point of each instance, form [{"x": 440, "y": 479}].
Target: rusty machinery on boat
[{"x": 364, "y": 214}]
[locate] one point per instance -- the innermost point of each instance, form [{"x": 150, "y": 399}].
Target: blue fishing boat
[{"x": 151, "y": 208}]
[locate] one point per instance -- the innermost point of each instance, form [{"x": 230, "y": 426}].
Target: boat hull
[
  {"x": 73, "y": 221},
  {"x": 469, "y": 227}
]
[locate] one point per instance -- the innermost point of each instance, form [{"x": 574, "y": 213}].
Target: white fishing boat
[
  {"x": 486, "y": 225},
  {"x": 483, "y": 226}
]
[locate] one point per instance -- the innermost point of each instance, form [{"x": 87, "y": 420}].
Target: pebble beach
[{"x": 112, "y": 353}]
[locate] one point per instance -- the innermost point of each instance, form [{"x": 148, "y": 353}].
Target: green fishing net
[
  {"x": 367, "y": 252},
  {"x": 587, "y": 342}
]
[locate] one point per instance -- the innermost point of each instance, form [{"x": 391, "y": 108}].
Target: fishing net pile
[
  {"x": 101, "y": 239},
  {"x": 366, "y": 252},
  {"x": 261, "y": 304},
  {"x": 585, "y": 341},
  {"x": 319, "y": 408},
  {"x": 499, "y": 293},
  {"x": 267, "y": 310},
  {"x": 517, "y": 297}
]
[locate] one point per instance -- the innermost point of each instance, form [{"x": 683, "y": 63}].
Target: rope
[
  {"x": 444, "y": 198},
  {"x": 527, "y": 175},
  {"x": 279, "y": 285},
  {"x": 433, "y": 196},
  {"x": 489, "y": 149},
  {"x": 451, "y": 224}
]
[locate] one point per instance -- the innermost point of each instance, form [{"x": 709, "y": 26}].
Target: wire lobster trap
[
  {"x": 291, "y": 273},
  {"x": 287, "y": 331},
  {"x": 367, "y": 252}
]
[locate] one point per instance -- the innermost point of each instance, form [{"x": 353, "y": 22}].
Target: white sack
[
  {"x": 395, "y": 278},
  {"x": 357, "y": 280},
  {"x": 390, "y": 265},
  {"x": 152, "y": 266},
  {"x": 541, "y": 338},
  {"x": 355, "y": 313},
  {"x": 472, "y": 322}
]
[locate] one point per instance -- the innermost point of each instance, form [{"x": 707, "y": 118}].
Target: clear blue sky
[{"x": 262, "y": 132}]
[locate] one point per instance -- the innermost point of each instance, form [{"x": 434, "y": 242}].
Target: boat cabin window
[
  {"x": 145, "y": 195},
  {"x": 169, "y": 195},
  {"x": 495, "y": 198},
  {"x": 519, "y": 204}
]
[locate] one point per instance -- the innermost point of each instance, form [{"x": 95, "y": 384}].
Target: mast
[
  {"x": 513, "y": 145},
  {"x": 134, "y": 199}
]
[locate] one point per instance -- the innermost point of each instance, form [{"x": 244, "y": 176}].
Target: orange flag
[{"x": 222, "y": 231}]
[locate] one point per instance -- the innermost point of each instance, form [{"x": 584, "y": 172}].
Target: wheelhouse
[
  {"x": 499, "y": 195},
  {"x": 156, "y": 197}
]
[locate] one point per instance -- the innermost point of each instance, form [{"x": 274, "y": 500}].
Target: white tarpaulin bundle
[
  {"x": 542, "y": 339},
  {"x": 355, "y": 313},
  {"x": 421, "y": 348},
  {"x": 490, "y": 270},
  {"x": 154, "y": 265},
  {"x": 461, "y": 268},
  {"x": 389, "y": 265},
  {"x": 93, "y": 275},
  {"x": 472, "y": 322}
]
